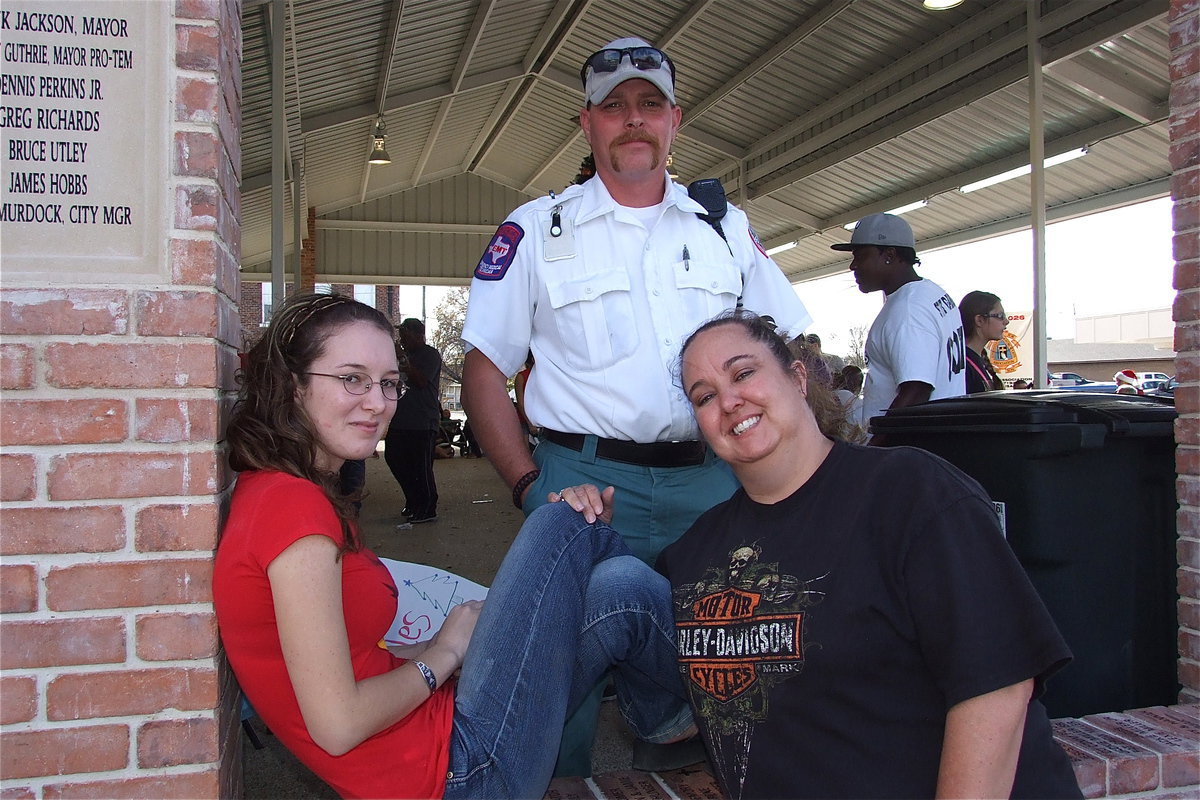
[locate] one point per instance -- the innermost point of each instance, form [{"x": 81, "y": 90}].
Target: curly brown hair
[
  {"x": 830, "y": 416},
  {"x": 268, "y": 429}
]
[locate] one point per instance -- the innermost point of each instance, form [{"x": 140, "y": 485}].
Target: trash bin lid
[{"x": 1120, "y": 414}]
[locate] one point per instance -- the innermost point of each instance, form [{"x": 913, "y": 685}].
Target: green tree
[
  {"x": 448, "y": 318},
  {"x": 857, "y": 347}
]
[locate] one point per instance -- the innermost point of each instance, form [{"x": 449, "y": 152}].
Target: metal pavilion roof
[{"x": 812, "y": 112}]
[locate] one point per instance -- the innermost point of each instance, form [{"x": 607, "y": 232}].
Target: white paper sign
[{"x": 426, "y": 595}]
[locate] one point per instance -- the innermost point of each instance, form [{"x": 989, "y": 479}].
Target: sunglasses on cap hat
[{"x": 643, "y": 58}]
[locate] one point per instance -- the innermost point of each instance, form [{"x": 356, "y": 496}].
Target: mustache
[{"x": 635, "y": 136}]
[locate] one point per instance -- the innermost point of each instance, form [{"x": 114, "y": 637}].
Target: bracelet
[
  {"x": 522, "y": 484},
  {"x": 427, "y": 674}
]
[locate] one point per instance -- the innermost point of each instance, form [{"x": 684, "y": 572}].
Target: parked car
[
  {"x": 1166, "y": 389},
  {"x": 1160, "y": 377},
  {"x": 1067, "y": 379}
]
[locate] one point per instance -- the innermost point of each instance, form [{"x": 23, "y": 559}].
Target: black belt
[{"x": 655, "y": 454}]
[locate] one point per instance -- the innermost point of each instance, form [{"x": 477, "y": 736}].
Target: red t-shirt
[{"x": 268, "y": 513}]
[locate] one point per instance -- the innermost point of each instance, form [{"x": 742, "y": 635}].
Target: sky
[{"x": 1115, "y": 261}]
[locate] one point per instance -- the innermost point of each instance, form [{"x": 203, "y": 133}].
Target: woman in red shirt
[{"x": 302, "y": 604}]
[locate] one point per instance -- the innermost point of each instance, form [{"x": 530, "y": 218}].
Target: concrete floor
[{"x": 476, "y": 523}]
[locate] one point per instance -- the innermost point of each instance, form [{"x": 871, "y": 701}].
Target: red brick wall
[
  {"x": 250, "y": 310},
  {"x": 308, "y": 254},
  {"x": 113, "y": 482},
  {"x": 1184, "y": 126}
]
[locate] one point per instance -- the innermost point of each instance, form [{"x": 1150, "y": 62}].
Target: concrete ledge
[{"x": 1145, "y": 753}]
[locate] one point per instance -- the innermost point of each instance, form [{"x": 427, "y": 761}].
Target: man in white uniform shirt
[
  {"x": 604, "y": 282},
  {"x": 916, "y": 349}
]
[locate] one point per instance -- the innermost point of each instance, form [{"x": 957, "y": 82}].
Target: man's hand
[{"x": 588, "y": 500}]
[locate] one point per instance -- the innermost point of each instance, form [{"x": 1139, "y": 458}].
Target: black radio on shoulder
[{"x": 709, "y": 193}]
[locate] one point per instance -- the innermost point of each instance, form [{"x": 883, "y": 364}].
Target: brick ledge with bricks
[{"x": 1145, "y": 753}]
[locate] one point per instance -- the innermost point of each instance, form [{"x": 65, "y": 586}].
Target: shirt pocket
[
  {"x": 713, "y": 287},
  {"x": 594, "y": 316}
]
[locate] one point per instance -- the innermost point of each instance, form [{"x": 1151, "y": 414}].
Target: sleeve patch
[
  {"x": 500, "y": 252},
  {"x": 757, "y": 243}
]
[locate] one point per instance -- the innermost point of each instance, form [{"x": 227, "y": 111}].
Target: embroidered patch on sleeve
[
  {"x": 500, "y": 252},
  {"x": 757, "y": 243}
]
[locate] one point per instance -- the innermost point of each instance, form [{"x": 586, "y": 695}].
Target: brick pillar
[
  {"x": 1184, "y": 126},
  {"x": 111, "y": 475},
  {"x": 250, "y": 310},
  {"x": 308, "y": 254}
]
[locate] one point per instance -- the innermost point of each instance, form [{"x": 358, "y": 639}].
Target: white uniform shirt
[
  {"x": 917, "y": 336},
  {"x": 606, "y": 306}
]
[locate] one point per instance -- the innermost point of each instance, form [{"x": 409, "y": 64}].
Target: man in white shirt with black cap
[
  {"x": 603, "y": 282},
  {"x": 916, "y": 349}
]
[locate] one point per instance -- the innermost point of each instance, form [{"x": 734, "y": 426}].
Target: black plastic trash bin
[{"x": 1085, "y": 485}]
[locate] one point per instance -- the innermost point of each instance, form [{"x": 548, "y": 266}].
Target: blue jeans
[
  {"x": 652, "y": 508},
  {"x": 568, "y": 603}
]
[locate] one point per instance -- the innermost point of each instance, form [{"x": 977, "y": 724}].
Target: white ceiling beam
[
  {"x": 805, "y": 227},
  {"x": 416, "y": 97},
  {"x": 913, "y": 119},
  {"x": 805, "y": 223},
  {"x": 482, "y": 12},
  {"x": 1093, "y": 78},
  {"x": 781, "y": 47},
  {"x": 538, "y": 58},
  {"x": 401, "y": 227},
  {"x": 979, "y": 24}
]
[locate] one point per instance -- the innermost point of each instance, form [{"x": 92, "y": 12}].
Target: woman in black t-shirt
[{"x": 851, "y": 622}]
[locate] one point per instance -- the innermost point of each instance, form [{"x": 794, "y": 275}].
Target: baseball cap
[
  {"x": 881, "y": 230},
  {"x": 597, "y": 84},
  {"x": 412, "y": 324}
]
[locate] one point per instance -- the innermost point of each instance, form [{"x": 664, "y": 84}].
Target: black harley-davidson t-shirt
[{"x": 824, "y": 638}]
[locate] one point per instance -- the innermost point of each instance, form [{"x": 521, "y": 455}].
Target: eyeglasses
[
  {"x": 643, "y": 58},
  {"x": 359, "y": 384},
  {"x": 996, "y": 316}
]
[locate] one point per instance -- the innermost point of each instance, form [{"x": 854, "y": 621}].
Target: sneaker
[
  {"x": 648, "y": 757},
  {"x": 418, "y": 520}
]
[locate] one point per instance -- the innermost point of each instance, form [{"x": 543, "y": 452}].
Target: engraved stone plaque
[{"x": 85, "y": 126}]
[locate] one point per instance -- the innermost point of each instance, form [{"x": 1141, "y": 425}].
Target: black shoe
[
  {"x": 405, "y": 512},
  {"x": 650, "y": 757},
  {"x": 426, "y": 518}
]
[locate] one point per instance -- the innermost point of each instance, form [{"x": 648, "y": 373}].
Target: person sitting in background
[
  {"x": 849, "y": 383},
  {"x": 817, "y": 367},
  {"x": 835, "y": 363},
  {"x": 1127, "y": 382},
  {"x": 879, "y": 683},
  {"x": 983, "y": 321},
  {"x": 302, "y": 603}
]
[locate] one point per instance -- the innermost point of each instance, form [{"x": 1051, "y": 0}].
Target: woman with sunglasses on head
[
  {"x": 303, "y": 605},
  {"x": 851, "y": 622},
  {"x": 984, "y": 321}
]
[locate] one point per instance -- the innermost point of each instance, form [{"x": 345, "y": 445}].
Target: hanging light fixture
[
  {"x": 941, "y": 5},
  {"x": 379, "y": 153}
]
